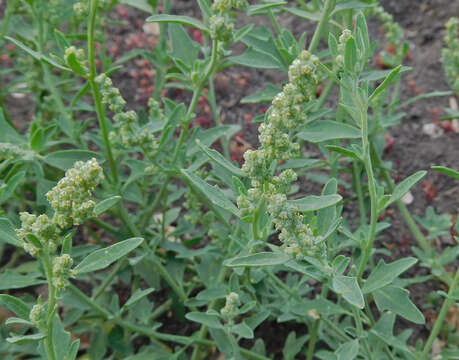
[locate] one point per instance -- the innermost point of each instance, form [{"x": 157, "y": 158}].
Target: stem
[
  {"x": 324, "y": 95},
  {"x": 441, "y": 316},
  {"x": 213, "y": 105},
  {"x": 328, "y": 8},
  {"x": 315, "y": 328},
  {"x": 372, "y": 191},
  {"x": 95, "y": 90},
  {"x": 359, "y": 327},
  {"x": 275, "y": 22},
  {"x": 51, "y": 304},
  {"x": 358, "y": 190}
]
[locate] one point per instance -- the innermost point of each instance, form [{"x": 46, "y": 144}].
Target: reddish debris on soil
[{"x": 429, "y": 191}]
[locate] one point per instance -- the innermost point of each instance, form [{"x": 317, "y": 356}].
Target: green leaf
[
  {"x": 36, "y": 55},
  {"x": 313, "y": 16},
  {"x": 348, "y": 350},
  {"x": 137, "y": 296},
  {"x": 185, "y": 20},
  {"x": 350, "y": 55},
  {"x": 102, "y": 258},
  {"x": 259, "y": 259},
  {"x": 73, "y": 350},
  {"x": 383, "y": 274},
  {"x": 218, "y": 158},
  {"x": 262, "y": 8},
  {"x": 314, "y": 203},
  {"x": 183, "y": 47},
  {"x": 17, "y": 306},
  {"x": 11, "y": 186},
  {"x": 402, "y": 188},
  {"x": 213, "y": 193},
  {"x": 266, "y": 95},
  {"x": 447, "y": 171},
  {"x": 210, "y": 320},
  {"x": 106, "y": 204},
  {"x": 343, "y": 151},
  {"x": 65, "y": 159},
  {"x": 243, "y": 330},
  {"x": 257, "y": 59},
  {"x": 9, "y": 133},
  {"x": 25, "y": 338},
  {"x": 348, "y": 288},
  {"x": 139, "y": 4},
  {"x": 75, "y": 65},
  {"x": 387, "y": 81},
  {"x": 397, "y": 300},
  {"x": 13, "y": 280},
  {"x": 37, "y": 140},
  {"x": 325, "y": 130},
  {"x": 8, "y": 233}
]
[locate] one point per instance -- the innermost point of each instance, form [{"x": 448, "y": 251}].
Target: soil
[{"x": 423, "y": 22}]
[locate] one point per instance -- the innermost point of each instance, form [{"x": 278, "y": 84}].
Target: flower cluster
[
  {"x": 451, "y": 53},
  {"x": 61, "y": 270},
  {"x": 127, "y": 133},
  {"x": 10, "y": 151},
  {"x": 69, "y": 197},
  {"x": 220, "y": 25},
  {"x": 38, "y": 316},
  {"x": 40, "y": 227},
  {"x": 344, "y": 37},
  {"x": 230, "y": 310},
  {"x": 224, "y": 6},
  {"x": 393, "y": 33},
  {"x": 287, "y": 112}
]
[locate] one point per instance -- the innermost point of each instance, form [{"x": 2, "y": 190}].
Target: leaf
[
  {"x": 65, "y": 159},
  {"x": 383, "y": 274},
  {"x": 243, "y": 330},
  {"x": 218, "y": 158},
  {"x": 348, "y": 351},
  {"x": 139, "y": 4},
  {"x": 348, "y": 288},
  {"x": 313, "y": 16},
  {"x": 13, "y": 280},
  {"x": 185, "y": 20},
  {"x": 259, "y": 259},
  {"x": 266, "y": 95},
  {"x": 36, "y": 55},
  {"x": 11, "y": 185},
  {"x": 106, "y": 204},
  {"x": 102, "y": 258},
  {"x": 402, "y": 188},
  {"x": 397, "y": 300},
  {"x": 262, "y": 8},
  {"x": 257, "y": 59},
  {"x": 447, "y": 171},
  {"x": 213, "y": 193},
  {"x": 17, "y": 306},
  {"x": 9, "y": 133},
  {"x": 25, "y": 338},
  {"x": 325, "y": 130},
  {"x": 137, "y": 296},
  {"x": 73, "y": 350},
  {"x": 210, "y": 320},
  {"x": 387, "y": 81},
  {"x": 183, "y": 47},
  {"x": 314, "y": 203},
  {"x": 350, "y": 55},
  {"x": 343, "y": 151},
  {"x": 8, "y": 233}
]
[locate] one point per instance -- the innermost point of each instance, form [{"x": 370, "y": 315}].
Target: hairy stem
[{"x": 320, "y": 29}]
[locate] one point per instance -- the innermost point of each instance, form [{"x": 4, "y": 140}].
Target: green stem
[
  {"x": 439, "y": 323},
  {"x": 324, "y": 95},
  {"x": 49, "y": 345},
  {"x": 358, "y": 190},
  {"x": 320, "y": 29},
  {"x": 96, "y": 92},
  {"x": 359, "y": 328},
  {"x": 372, "y": 191},
  {"x": 275, "y": 23},
  {"x": 315, "y": 328},
  {"x": 215, "y": 113},
  {"x": 109, "y": 279}
]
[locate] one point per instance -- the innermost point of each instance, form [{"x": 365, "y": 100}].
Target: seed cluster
[
  {"x": 127, "y": 133},
  {"x": 61, "y": 270},
  {"x": 286, "y": 113},
  {"x": 451, "y": 53},
  {"x": 69, "y": 197}
]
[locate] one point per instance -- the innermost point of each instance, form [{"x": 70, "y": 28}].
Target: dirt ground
[{"x": 413, "y": 150}]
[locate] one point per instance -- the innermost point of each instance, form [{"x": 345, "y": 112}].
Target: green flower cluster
[
  {"x": 451, "y": 53},
  {"x": 286, "y": 112},
  {"x": 61, "y": 270},
  {"x": 230, "y": 310},
  {"x": 38, "y": 316},
  {"x": 344, "y": 37},
  {"x": 221, "y": 28},
  {"x": 37, "y": 232},
  {"x": 10, "y": 151},
  {"x": 69, "y": 197},
  {"x": 127, "y": 133}
]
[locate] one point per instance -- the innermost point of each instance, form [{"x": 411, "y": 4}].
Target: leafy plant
[{"x": 182, "y": 233}]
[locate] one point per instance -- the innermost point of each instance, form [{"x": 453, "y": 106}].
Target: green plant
[{"x": 231, "y": 247}]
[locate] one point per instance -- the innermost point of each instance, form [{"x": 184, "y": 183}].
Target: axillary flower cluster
[
  {"x": 451, "y": 53},
  {"x": 286, "y": 113},
  {"x": 72, "y": 206},
  {"x": 220, "y": 26}
]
